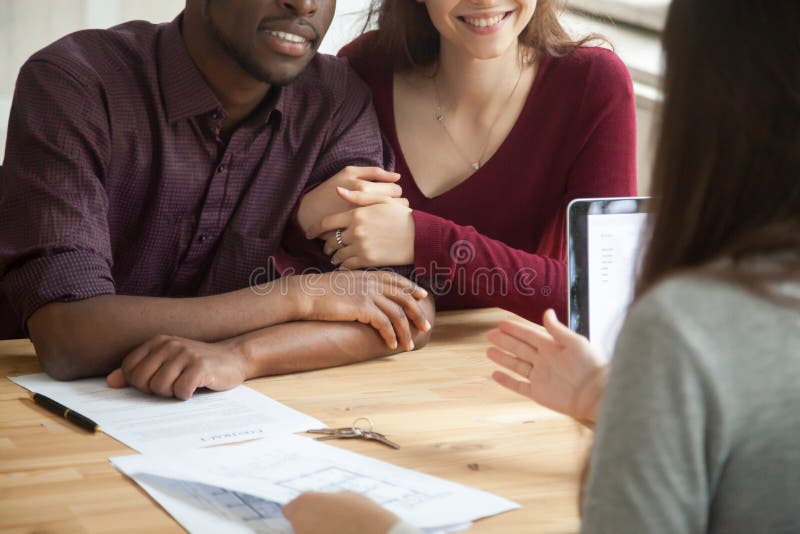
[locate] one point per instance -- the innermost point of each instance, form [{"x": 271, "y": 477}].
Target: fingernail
[
  {"x": 411, "y": 345},
  {"x": 423, "y": 292},
  {"x": 428, "y": 325}
]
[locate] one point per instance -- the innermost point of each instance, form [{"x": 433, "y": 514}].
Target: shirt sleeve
[
  {"x": 355, "y": 139},
  {"x": 54, "y": 240},
  {"x": 449, "y": 257},
  {"x": 604, "y": 165},
  {"x": 648, "y": 471}
]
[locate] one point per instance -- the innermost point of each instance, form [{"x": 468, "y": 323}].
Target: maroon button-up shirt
[{"x": 115, "y": 179}]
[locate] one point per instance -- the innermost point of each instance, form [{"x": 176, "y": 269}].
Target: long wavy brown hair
[
  {"x": 407, "y": 35},
  {"x": 726, "y": 179}
]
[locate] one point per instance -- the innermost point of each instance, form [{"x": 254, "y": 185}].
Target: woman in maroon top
[{"x": 497, "y": 120}]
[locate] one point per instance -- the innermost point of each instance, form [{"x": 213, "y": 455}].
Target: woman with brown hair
[
  {"x": 497, "y": 119},
  {"x": 698, "y": 425}
]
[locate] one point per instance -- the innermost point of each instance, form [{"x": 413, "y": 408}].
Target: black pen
[{"x": 59, "y": 409}]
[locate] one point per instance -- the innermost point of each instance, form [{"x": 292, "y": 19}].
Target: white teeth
[
  {"x": 288, "y": 37},
  {"x": 483, "y": 22}
]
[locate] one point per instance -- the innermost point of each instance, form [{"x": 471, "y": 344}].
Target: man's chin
[
  {"x": 284, "y": 80},
  {"x": 277, "y": 77}
]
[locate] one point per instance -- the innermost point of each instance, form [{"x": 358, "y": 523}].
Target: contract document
[
  {"x": 153, "y": 424},
  {"x": 246, "y": 485}
]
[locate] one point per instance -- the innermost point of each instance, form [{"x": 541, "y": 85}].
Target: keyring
[{"x": 357, "y": 429}]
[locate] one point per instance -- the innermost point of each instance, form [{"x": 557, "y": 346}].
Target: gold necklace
[{"x": 443, "y": 121}]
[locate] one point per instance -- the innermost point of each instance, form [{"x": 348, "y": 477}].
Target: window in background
[
  {"x": 27, "y": 26},
  {"x": 347, "y": 24},
  {"x": 648, "y": 14}
]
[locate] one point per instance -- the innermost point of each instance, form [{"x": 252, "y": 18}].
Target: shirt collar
[{"x": 185, "y": 91}]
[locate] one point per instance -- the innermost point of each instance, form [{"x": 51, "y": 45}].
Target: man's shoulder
[{"x": 91, "y": 54}]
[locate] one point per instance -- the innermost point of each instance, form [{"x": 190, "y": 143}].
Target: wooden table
[{"x": 438, "y": 403}]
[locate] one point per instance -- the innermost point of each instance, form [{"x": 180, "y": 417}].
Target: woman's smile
[{"x": 485, "y": 23}]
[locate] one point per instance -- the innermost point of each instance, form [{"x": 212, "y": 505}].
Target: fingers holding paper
[
  {"x": 170, "y": 366},
  {"x": 552, "y": 366}
]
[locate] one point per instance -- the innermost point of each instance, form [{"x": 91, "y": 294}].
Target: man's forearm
[
  {"x": 307, "y": 345},
  {"x": 92, "y": 336}
]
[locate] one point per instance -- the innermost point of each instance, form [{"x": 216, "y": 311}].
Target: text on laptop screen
[{"x": 613, "y": 241}]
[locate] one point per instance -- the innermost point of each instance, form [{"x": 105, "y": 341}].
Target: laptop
[{"x": 603, "y": 253}]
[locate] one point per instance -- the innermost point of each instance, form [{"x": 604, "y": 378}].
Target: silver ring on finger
[
  {"x": 529, "y": 369},
  {"x": 339, "y": 239}
]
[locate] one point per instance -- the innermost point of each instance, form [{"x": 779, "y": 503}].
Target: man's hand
[
  {"x": 324, "y": 200},
  {"x": 338, "y": 513},
  {"x": 384, "y": 300},
  {"x": 376, "y": 234},
  {"x": 562, "y": 370},
  {"x": 175, "y": 367}
]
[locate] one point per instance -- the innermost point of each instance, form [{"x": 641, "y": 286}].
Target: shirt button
[
  {"x": 220, "y": 169},
  {"x": 202, "y": 238}
]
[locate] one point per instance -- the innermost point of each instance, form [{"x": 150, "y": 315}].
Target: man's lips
[{"x": 290, "y": 30}]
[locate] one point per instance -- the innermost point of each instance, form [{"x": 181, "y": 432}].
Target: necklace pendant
[
  {"x": 476, "y": 165},
  {"x": 440, "y": 117}
]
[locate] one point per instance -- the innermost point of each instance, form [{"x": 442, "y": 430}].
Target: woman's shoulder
[
  {"x": 598, "y": 70},
  {"x": 693, "y": 292},
  {"x": 363, "y": 55},
  {"x": 689, "y": 296},
  {"x": 708, "y": 311},
  {"x": 591, "y": 61}
]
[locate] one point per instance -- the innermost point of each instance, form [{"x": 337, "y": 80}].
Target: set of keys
[{"x": 354, "y": 432}]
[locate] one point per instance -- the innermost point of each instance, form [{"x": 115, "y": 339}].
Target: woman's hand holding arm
[
  {"x": 324, "y": 200},
  {"x": 378, "y": 233}
]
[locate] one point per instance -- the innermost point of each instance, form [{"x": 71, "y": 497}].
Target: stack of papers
[
  {"x": 153, "y": 424},
  {"x": 242, "y": 488}
]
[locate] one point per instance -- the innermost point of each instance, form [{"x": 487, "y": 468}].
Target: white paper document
[
  {"x": 154, "y": 424},
  {"x": 277, "y": 469},
  {"x": 204, "y": 509},
  {"x": 201, "y": 508}
]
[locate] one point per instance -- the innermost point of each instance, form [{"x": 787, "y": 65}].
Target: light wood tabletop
[{"x": 438, "y": 403}]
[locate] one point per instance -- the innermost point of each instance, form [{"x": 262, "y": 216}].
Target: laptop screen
[{"x": 603, "y": 254}]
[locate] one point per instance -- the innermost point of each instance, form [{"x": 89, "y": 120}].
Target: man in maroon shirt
[{"x": 150, "y": 171}]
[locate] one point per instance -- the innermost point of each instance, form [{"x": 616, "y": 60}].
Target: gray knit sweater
[{"x": 699, "y": 430}]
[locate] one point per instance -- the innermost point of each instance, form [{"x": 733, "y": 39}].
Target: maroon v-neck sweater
[{"x": 498, "y": 238}]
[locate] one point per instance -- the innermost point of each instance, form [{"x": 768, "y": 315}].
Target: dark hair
[
  {"x": 407, "y": 35},
  {"x": 726, "y": 181}
]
